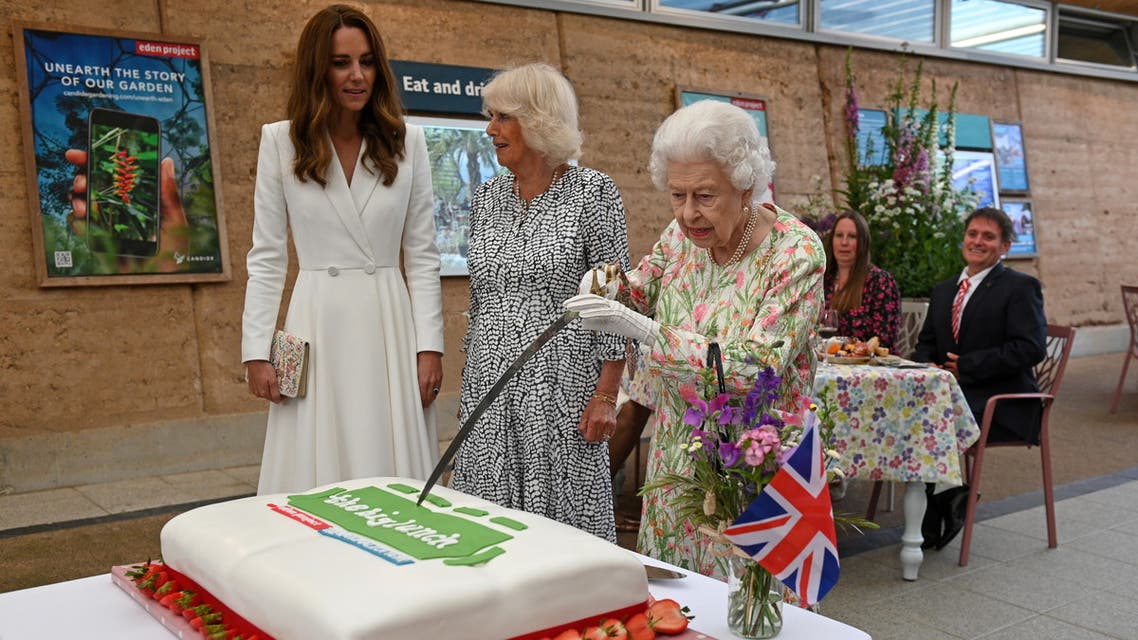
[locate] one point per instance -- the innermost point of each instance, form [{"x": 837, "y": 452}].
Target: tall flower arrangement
[{"x": 914, "y": 212}]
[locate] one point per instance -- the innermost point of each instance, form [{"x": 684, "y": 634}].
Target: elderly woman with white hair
[
  {"x": 728, "y": 270},
  {"x": 543, "y": 444}
]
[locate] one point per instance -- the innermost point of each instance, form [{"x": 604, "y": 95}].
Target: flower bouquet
[{"x": 736, "y": 447}]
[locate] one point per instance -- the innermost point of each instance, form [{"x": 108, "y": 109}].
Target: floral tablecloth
[{"x": 897, "y": 424}]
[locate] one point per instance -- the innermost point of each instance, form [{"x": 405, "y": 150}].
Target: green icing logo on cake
[{"x": 396, "y": 522}]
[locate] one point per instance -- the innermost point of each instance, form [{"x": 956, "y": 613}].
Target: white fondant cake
[{"x": 284, "y": 569}]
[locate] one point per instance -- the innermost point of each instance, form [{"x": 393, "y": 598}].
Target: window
[
  {"x": 907, "y": 20},
  {"x": 1003, "y": 27},
  {"x": 1089, "y": 38},
  {"x": 786, "y": 12}
]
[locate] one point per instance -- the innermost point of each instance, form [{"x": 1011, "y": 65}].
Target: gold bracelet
[{"x": 606, "y": 398}]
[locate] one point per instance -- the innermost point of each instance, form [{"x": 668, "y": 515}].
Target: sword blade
[{"x": 493, "y": 393}]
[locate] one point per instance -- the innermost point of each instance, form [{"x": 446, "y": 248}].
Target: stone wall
[{"x": 132, "y": 363}]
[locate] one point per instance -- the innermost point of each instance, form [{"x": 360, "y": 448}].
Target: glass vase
[{"x": 754, "y": 600}]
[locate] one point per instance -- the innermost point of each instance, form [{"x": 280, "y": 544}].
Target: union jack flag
[{"x": 789, "y": 528}]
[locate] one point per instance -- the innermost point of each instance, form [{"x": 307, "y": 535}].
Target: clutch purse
[{"x": 289, "y": 357}]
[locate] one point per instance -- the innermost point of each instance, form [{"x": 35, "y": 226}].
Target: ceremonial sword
[
  {"x": 488, "y": 399},
  {"x": 611, "y": 271}
]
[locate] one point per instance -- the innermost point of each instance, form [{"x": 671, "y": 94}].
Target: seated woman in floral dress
[
  {"x": 728, "y": 270},
  {"x": 866, "y": 297}
]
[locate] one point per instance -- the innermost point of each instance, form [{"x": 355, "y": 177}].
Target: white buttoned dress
[{"x": 362, "y": 415}]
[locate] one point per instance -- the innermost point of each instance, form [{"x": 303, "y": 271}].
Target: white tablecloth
[{"x": 95, "y": 609}]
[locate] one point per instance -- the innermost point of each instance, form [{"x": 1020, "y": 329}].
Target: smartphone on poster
[{"x": 123, "y": 183}]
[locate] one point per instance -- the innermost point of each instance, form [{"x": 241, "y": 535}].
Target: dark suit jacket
[{"x": 1003, "y": 334}]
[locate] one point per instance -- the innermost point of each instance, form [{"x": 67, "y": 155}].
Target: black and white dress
[{"x": 526, "y": 452}]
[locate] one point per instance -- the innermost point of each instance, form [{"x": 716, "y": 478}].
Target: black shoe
[
  {"x": 933, "y": 522},
  {"x": 954, "y": 516}
]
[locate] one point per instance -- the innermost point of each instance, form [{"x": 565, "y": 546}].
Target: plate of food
[{"x": 853, "y": 351}]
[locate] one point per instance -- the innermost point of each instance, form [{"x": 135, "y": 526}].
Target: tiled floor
[
  {"x": 38, "y": 510},
  {"x": 1014, "y": 587}
]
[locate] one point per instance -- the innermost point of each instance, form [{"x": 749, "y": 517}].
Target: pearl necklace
[
  {"x": 741, "y": 248},
  {"x": 522, "y": 202}
]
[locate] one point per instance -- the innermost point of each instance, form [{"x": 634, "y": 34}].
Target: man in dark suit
[{"x": 987, "y": 327}]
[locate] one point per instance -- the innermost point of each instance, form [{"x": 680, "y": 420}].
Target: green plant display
[{"x": 914, "y": 212}]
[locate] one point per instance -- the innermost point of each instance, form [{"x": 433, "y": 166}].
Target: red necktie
[{"x": 958, "y": 307}]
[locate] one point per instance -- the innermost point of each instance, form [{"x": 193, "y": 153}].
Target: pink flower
[
  {"x": 759, "y": 442},
  {"x": 700, "y": 312}
]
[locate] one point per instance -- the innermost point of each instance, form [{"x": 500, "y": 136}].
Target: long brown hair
[
  {"x": 310, "y": 104},
  {"x": 849, "y": 296}
]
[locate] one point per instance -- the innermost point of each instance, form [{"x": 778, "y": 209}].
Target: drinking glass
[{"x": 828, "y": 324}]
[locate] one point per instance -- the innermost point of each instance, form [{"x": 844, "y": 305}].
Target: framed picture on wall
[
  {"x": 872, "y": 151},
  {"x": 462, "y": 157},
  {"x": 754, "y": 105},
  {"x": 131, "y": 114},
  {"x": 1011, "y": 161},
  {"x": 975, "y": 171},
  {"x": 1023, "y": 223}
]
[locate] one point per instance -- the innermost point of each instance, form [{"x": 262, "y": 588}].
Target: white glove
[
  {"x": 602, "y": 314},
  {"x": 610, "y": 288}
]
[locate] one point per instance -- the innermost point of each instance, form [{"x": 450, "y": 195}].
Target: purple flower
[
  {"x": 851, "y": 109},
  {"x": 730, "y": 453}
]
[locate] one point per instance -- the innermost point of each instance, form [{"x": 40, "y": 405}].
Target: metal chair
[
  {"x": 1048, "y": 374},
  {"x": 1130, "y": 305},
  {"x": 912, "y": 319}
]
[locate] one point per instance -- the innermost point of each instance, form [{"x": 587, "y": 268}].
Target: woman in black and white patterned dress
[{"x": 543, "y": 444}]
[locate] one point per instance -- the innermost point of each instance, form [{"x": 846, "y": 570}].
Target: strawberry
[
  {"x": 165, "y": 589},
  {"x": 140, "y": 572},
  {"x": 595, "y": 633},
  {"x": 188, "y": 599},
  {"x": 638, "y": 628},
  {"x": 614, "y": 629},
  {"x": 205, "y": 619},
  {"x": 215, "y": 631},
  {"x": 666, "y": 617},
  {"x": 170, "y": 601},
  {"x": 154, "y": 580},
  {"x": 568, "y": 634},
  {"x": 193, "y": 612}
]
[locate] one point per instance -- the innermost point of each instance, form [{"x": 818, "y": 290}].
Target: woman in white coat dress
[{"x": 354, "y": 184}]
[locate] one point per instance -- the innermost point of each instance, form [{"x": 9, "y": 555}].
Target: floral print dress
[
  {"x": 880, "y": 311},
  {"x": 775, "y": 294}
]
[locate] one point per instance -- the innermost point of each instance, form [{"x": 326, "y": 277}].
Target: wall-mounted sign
[
  {"x": 1023, "y": 223},
  {"x": 753, "y": 105},
  {"x": 122, "y": 176},
  {"x": 440, "y": 88},
  {"x": 462, "y": 157},
  {"x": 1011, "y": 161}
]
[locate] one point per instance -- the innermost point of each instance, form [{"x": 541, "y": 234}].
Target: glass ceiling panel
[
  {"x": 908, "y": 20},
  {"x": 993, "y": 25},
  {"x": 780, "y": 11}
]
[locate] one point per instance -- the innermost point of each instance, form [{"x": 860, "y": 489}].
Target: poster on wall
[
  {"x": 754, "y": 105},
  {"x": 1023, "y": 223},
  {"x": 122, "y": 176},
  {"x": 975, "y": 171},
  {"x": 1011, "y": 162},
  {"x": 872, "y": 148},
  {"x": 462, "y": 157}
]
